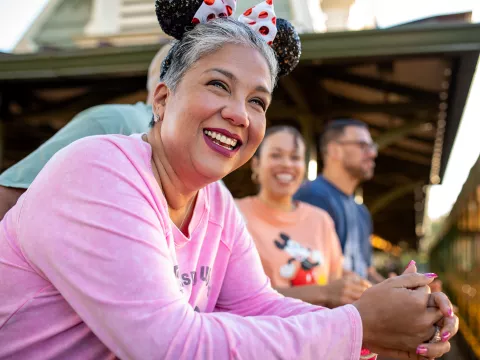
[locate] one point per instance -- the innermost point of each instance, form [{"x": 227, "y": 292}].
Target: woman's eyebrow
[
  {"x": 232, "y": 77},
  {"x": 224, "y": 72}
]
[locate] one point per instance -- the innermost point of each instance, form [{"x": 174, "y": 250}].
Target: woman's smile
[
  {"x": 284, "y": 178},
  {"x": 222, "y": 141}
]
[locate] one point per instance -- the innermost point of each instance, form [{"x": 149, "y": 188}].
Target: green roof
[{"x": 315, "y": 47}]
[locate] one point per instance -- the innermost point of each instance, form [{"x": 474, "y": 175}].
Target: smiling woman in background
[{"x": 297, "y": 242}]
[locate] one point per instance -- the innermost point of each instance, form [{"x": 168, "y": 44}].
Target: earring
[
  {"x": 254, "y": 177},
  {"x": 156, "y": 117}
]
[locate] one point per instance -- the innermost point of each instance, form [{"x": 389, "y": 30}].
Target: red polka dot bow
[{"x": 261, "y": 17}]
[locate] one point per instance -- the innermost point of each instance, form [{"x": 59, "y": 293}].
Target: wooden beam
[
  {"x": 294, "y": 90},
  {"x": 354, "y": 108},
  {"x": 396, "y": 193},
  {"x": 408, "y": 156},
  {"x": 389, "y": 164},
  {"x": 417, "y": 94},
  {"x": 390, "y": 179},
  {"x": 391, "y": 136},
  {"x": 4, "y": 103},
  {"x": 397, "y": 109},
  {"x": 305, "y": 116},
  {"x": 70, "y": 108},
  {"x": 422, "y": 147},
  {"x": 411, "y": 142},
  {"x": 424, "y": 135}
]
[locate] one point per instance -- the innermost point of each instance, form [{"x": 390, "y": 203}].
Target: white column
[
  {"x": 105, "y": 18},
  {"x": 337, "y": 12},
  {"x": 362, "y": 15},
  {"x": 308, "y": 15},
  {"x": 318, "y": 17}
]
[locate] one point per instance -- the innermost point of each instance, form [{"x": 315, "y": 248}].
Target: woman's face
[
  {"x": 215, "y": 119},
  {"x": 281, "y": 164}
]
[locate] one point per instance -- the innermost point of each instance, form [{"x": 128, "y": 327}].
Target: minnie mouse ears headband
[{"x": 176, "y": 17}]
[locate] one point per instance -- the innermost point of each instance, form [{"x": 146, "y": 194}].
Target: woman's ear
[
  {"x": 160, "y": 98},
  {"x": 254, "y": 164}
]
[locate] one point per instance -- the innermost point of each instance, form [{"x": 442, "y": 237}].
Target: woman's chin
[
  {"x": 282, "y": 188},
  {"x": 214, "y": 172},
  {"x": 285, "y": 193}
]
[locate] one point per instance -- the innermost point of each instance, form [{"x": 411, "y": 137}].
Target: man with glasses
[{"x": 349, "y": 159}]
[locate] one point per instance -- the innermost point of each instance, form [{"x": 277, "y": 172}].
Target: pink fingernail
[
  {"x": 445, "y": 336},
  {"x": 421, "y": 350},
  {"x": 412, "y": 262},
  {"x": 431, "y": 275},
  {"x": 450, "y": 312}
]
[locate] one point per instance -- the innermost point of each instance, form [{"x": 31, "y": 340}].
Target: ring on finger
[{"x": 436, "y": 338}]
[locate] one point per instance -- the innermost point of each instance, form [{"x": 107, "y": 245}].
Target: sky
[
  {"x": 15, "y": 18},
  {"x": 465, "y": 152},
  {"x": 17, "y": 15},
  {"x": 393, "y": 12}
]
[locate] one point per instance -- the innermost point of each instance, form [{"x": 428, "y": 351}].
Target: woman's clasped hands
[{"x": 401, "y": 318}]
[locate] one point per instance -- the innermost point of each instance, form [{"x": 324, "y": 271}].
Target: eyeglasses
[{"x": 363, "y": 145}]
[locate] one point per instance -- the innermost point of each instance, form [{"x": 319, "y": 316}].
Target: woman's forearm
[{"x": 313, "y": 294}]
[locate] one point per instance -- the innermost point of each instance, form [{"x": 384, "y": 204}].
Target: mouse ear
[
  {"x": 287, "y": 46},
  {"x": 179, "y": 16},
  {"x": 175, "y": 16},
  {"x": 278, "y": 33}
]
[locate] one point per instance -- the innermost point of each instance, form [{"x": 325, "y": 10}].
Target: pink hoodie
[{"x": 91, "y": 267}]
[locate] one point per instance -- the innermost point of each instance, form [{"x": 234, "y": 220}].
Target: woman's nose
[
  {"x": 286, "y": 161},
  {"x": 236, "y": 113}
]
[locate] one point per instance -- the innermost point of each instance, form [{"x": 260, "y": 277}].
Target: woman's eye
[
  {"x": 261, "y": 103},
  {"x": 275, "y": 156},
  {"x": 218, "y": 84}
]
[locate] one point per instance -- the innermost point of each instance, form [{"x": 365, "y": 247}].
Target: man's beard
[{"x": 358, "y": 173}]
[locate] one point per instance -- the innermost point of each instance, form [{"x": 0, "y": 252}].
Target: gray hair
[{"x": 205, "y": 39}]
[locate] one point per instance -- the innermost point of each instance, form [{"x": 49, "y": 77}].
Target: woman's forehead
[
  {"x": 285, "y": 141},
  {"x": 239, "y": 63}
]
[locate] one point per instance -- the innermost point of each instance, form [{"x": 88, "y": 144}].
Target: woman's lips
[
  {"x": 226, "y": 133},
  {"x": 229, "y": 153},
  {"x": 284, "y": 178}
]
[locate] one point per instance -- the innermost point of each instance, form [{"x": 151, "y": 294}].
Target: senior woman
[{"x": 128, "y": 247}]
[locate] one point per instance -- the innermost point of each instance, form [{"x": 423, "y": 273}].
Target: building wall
[
  {"x": 137, "y": 16},
  {"x": 93, "y": 23},
  {"x": 282, "y": 7},
  {"x": 67, "y": 21}
]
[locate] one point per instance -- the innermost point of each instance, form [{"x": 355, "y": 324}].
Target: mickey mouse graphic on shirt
[{"x": 303, "y": 273}]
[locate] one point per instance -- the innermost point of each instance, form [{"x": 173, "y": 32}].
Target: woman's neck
[
  {"x": 284, "y": 203},
  {"x": 180, "y": 198}
]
